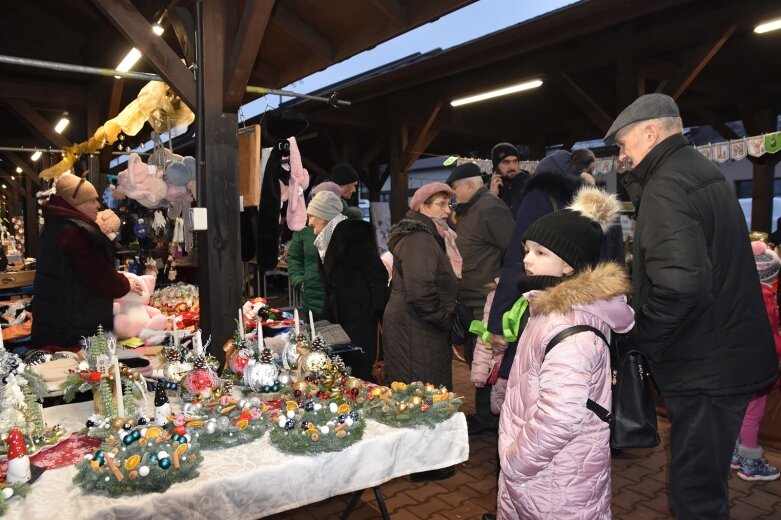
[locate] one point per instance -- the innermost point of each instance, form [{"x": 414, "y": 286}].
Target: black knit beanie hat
[
  {"x": 502, "y": 150},
  {"x": 575, "y": 233},
  {"x": 343, "y": 173}
]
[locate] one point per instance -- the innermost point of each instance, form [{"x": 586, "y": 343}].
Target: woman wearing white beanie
[{"x": 355, "y": 277}]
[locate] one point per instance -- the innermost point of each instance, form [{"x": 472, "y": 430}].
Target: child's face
[{"x": 541, "y": 261}]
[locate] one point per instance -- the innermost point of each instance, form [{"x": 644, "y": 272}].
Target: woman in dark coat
[
  {"x": 356, "y": 282},
  {"x": 418, "y": 318},
  {"x": 75, "y": 281}
]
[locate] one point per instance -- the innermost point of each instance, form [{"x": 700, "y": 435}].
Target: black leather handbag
[
  {"x": 633, "y": 418},
  {"x": 462, "y": 319}
]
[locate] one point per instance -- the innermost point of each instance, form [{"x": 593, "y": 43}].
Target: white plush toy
[{"x": 133, "y": 317}]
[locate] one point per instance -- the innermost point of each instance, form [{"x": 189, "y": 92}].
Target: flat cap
[
  {"x": 464, "y": 171},
  {"x": 649, "y": 106}
]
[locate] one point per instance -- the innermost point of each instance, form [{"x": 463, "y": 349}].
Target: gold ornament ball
[
  {"x": 118, "y": 423},
  {"x": 416, "y": 400},
  {"x": 402, "y": 406}
]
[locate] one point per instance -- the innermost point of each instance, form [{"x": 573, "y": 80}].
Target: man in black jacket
[
  {"x": 508, "y": 179},
  {"x": 700, "y": 315}
]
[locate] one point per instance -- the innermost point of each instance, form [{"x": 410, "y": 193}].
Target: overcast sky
[{"x": 470, "y": 22}]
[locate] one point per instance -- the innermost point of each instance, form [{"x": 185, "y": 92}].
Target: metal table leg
[{"x": 357, "y": 495}]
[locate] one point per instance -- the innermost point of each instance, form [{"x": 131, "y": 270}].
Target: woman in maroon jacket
[{"x": 75, "y": 281}]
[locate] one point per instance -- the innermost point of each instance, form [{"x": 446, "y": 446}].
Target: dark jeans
[
  {"x": 702, "y": 438},
  {"x": 483, "y": 413}
]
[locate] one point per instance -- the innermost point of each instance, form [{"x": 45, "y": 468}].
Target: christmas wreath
[
  {"x": 9, "y": 491},
  {"x": 316, "y": 427},
  {"x": 224, "y": 422},
  {"x": 408, "y": 405},
  {"x": 145, "y": 459}
]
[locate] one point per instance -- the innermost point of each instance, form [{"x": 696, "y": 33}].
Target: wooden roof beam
[
  {"x": 43, "y": 95},
  {"x": 246, "y": 45},
  {"x": 137, "y": 30},
  {"x": 31, "y": 116},
  {"x": 422, "y": 139},
  {"x": 703, "y": 56},
  {"x": 302, "y": 32},
  {"x": 26, "y": 168},
  {"x": 583, "y": 101},
  {"x": 7, "y": 178},
  {"x": 392, "y": 10}
]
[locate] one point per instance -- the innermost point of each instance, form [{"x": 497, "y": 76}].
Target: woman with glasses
[{"x": 424, "y": 285}]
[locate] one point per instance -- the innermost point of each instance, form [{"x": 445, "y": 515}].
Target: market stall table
[{"x": 253, "y": 480}]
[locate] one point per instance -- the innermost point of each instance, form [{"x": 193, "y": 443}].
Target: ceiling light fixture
[
  {"x": 35, "y": 156},
  {"x": 512, "y": 89},
  {"x": 18, "y": 169},
  {"x": 127, "y": 63},
  {"x": 62, "y": 124},
  {"x": 13, "y": 178},
  {"x": 771, "y": 25},
  {"x": 158, "y": 29}
]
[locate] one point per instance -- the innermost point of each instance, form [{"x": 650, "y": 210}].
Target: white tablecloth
[{"x": 252, "y": 480}]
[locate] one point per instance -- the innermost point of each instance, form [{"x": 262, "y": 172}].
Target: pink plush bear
[
  {"x": 139, "y": 183},
  {"x": 109, "y": 223},
  {"x": 133, "y": 317}
]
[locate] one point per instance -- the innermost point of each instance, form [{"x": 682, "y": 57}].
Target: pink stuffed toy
[
  {"x": 109, "y": 223},
  {"x": 133, "y": 317},
  {"x": 294, "y": 191},
  {"x": 142, "y": 184}
]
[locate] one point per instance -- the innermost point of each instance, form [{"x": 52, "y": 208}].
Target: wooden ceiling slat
[
  {"x": 46, "y": 128},
  {"x": 246, "y": 44},
  {"x": 393, "y": 10},
  {"x": 285, "y": 18},
  {"x": 137, "y": 29},
  {"x": 678, "y": 86}
]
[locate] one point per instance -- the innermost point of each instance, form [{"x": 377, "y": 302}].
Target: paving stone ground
[{"x": 639, "y": 486}]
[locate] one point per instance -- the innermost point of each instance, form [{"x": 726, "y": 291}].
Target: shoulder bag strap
[
  {"x": 378, "y": 357},
  {"x": 604, "y": 414}
]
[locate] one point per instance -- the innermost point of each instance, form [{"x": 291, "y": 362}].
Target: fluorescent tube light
[
  {"x": 496, "y": 93},
  {"x": 62, "y": 124},
  {"x": 764, "y": 27},
  {"x": 35, "y": 156},
  {"x": 132, "y": 57},
  {"x": 158, "y": 29}
]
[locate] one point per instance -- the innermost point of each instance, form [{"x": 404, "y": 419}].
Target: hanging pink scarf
[{"x": 449, "y": 236}]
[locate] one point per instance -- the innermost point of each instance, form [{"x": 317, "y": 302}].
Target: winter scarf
[
  {"x": 449, "y": 236},
  {"x": 324, "y": 238}
]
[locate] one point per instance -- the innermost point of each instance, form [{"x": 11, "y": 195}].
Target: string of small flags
[{"x": 735, "y": 149}]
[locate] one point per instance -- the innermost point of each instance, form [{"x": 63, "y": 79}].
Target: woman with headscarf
[
  {"x": 303, "y": 262},
  {"x": 355, "y": 278},
  {"x": 424, "y": 287},
  {"x": 75, "y": 280}
]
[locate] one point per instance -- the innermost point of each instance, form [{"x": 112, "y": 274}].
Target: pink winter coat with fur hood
[{"x": 554, "y": 452}]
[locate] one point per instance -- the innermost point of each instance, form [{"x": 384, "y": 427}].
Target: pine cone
[
  {"x": 265, "y": 355},
  {"x": 318, "y": 344},
  {"x": 199, "y": 362},
  {"x": 173, "y": 354},
  {"x": 227, "y": 386}
]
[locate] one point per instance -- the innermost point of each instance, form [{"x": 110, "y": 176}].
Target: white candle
[
  {"x": 260, "y": 335},
  {"x": 197, "y": 344},
  {"x": 295, "y": 316},
  {"x": 176, "y": 336},
  {"x": 118, "y": 387},
  {"x": 241, "y": 324},
  {"x": 312, "y": 324},
  {"x": 2, "y": 345}
]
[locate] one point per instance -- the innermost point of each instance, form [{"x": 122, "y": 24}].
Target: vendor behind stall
[{"x": 75, "y": 282}]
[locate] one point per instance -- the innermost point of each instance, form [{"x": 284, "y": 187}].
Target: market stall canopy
[
  {"x": 593, "y": 58},
  {"x": 276, "y": 43}
]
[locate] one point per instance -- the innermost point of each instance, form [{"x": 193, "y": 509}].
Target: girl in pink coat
[{"x": 554, "y": 453}]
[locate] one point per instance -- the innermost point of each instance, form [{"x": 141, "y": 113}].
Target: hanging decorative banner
[
  {"x": 773, "y": 142},
  {"x": 737, "y": 149},
  {"x": 706, "y": 151},
  {"x": 720, "y": 152},
  {"x": 756, "y": 146}
]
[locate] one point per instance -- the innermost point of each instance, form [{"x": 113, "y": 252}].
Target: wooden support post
[
  {"x": 399, "y": 177},
  {"x": 30, "y": 219},
  {"x": 219, "y": 262}
]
